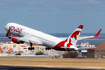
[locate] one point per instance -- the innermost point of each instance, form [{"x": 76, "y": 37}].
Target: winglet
[{"x": 98, "y": 33}]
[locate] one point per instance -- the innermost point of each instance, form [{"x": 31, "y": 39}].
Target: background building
[
  {"x": 51, "y": 52},
  {"x": 13, "y": 48},
  {"x": 98, "y": 52}
]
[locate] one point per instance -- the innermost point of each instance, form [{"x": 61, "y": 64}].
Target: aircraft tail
[{"x": 73, "y": 38}]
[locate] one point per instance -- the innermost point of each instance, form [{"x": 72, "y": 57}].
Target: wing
[
  {"x": 27, "y": 39},
  {"x": 80, "y": 38}
]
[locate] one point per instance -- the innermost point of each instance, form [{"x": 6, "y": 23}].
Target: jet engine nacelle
[{"x": 15, "y": 40}]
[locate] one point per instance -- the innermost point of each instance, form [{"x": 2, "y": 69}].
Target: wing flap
[{"x": 36, "y": 41}]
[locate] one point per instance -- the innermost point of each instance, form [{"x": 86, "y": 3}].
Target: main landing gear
[{"x": 31, "y": 48}]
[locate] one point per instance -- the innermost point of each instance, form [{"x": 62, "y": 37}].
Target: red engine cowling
[{"x": 15, "y": 40}]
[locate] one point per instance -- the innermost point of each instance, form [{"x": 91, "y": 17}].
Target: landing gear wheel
[{"x": 31, "y": 48}]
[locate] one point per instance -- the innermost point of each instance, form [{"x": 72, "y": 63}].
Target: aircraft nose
[{"x": 6, "y": 27}]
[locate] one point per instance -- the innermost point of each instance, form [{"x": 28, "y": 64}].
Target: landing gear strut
[{"x": 31, "y": 48}]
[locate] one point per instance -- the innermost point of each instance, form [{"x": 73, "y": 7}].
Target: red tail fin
[{"x": 75, "y": 35}]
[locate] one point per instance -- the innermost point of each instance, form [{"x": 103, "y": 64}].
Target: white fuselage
[
  {"x": 38, "y": 36},
  {"x": 25, "y": 34}
]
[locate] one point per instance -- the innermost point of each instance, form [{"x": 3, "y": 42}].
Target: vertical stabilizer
[{"x": 73, "y": 38}]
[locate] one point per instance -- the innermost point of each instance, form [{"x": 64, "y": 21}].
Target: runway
[{"x": 37, "y": 68}]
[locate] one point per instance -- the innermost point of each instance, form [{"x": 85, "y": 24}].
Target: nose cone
[{"x": 6, "y": 27}]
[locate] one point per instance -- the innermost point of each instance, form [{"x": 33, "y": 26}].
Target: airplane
[{"x": 25, "y": 34}]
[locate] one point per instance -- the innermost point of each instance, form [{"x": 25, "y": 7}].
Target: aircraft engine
[{"x": 15, "y": 40}]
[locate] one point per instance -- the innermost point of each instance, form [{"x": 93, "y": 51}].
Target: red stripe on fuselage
[
  {"x": 60, "y": 46},
  {"x": 8, "y": 32}
]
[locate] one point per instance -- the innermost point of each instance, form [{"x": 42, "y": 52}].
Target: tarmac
[{"x": 38, "y": 68}]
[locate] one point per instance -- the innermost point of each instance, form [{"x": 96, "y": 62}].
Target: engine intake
[{"x": 15, "y": 40}]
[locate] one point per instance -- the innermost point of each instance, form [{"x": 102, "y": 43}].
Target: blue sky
[{"x": 54, "y": 16}]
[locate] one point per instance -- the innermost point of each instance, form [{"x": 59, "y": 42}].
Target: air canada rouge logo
[
  {"x": 75, "y": 34},
  {"x": 16, "y": 29}
]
